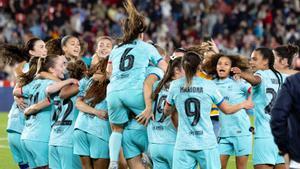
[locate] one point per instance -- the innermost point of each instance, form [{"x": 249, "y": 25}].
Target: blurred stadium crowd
[{"x": 237, "y": 26}]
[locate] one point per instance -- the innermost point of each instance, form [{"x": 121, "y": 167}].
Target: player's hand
[
  {"x": 73, "y": 81},
  {"x": 21, "y": 103},
  {"x": 248, "y": 104},
  {"x": 236, "y": 70},
  {"x": 145, "y": 116},
  {"x": 29, "y": 110},
  {"x": 213, "y": 46},
  {"x": 101, "y": 114}
]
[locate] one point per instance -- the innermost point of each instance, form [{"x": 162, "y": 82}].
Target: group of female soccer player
[{"x": 132, "y": 104}]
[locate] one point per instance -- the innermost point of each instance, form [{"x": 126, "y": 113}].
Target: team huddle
[{"x": 133, "y": 106}]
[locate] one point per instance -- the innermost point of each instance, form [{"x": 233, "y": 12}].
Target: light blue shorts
[
  {"x": 161, "y": 155},
  {"x": 265, "y": 151},
  {"x": 236, "y": 145},
  {"x": 120, "y": 103},
  {"x": 86, "y": 144},
  {"x": 16, "y": 148},
  {"x": 36, "y": 153},
  {"x": 63, "y": 158},
  {"x": 189, "y": 159},
  {"x": 134, "y": 142}
]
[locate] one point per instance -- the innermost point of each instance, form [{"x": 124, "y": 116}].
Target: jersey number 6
[{"x": 126, "y": 62}]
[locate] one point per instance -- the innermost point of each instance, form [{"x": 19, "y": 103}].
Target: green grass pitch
[{"x": 7, "y": 162}]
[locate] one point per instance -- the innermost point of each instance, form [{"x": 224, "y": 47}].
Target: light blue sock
[{"x": 115, "y": 141}]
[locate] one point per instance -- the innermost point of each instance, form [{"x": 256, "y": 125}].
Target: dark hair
[
  {"x": 190, "y": 62},
  {"x": 97, "y": 67},
  {"x": 25, "y": 78},
  {"x": 97, "y": 89},
  {"x": 134, "y": 24},
  {"x": 65, "y": 40},
  {"x": 210, "y": 65},
  {"x": 14, "y": 53},
  {"x": 267, "y": 54},
  {"x": 176, "y": 63},
  {"x": 11, "y": 54},
  {"x": 77, "y": 69},
  {"x": 46, "y": 63},
  {"x": 53, "y": 46},
  {"x": 287, "y": 51},
  {"x": 29, "y": 46}
]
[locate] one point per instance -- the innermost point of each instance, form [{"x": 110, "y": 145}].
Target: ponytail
[
  {"x": 27, "y": 77},
  {"x": 288, "y": 52},
  {"x": 97, "y": 90},
  {"x": 134, "y": 24},
  {"x": 190, "y": 63},
  {"x": 269, "y": 55},
  {"x": 168, "y": 76}
]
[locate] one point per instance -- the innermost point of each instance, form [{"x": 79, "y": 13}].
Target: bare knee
[{"x": 117, "y": 128}]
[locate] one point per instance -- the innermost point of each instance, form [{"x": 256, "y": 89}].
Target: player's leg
[
  {"x": 117, "y": 117},
  {"x": 81, "y": 148}
]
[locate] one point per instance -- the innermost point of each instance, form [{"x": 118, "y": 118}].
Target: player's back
[
  {"x": 129, "y": 63},
  {"x": 264, "y": 96},
  {"x": 194, "y": 105}
]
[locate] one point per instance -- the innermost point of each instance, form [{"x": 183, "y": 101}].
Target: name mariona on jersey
[
  {"x": 191, "y": 90},
  {"x": 274, "y": 81}
]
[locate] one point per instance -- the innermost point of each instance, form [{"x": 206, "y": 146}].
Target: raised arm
[
  {"x": 35, "y": 108},
  {"x": 68, "y": 91},
  {"x": 162, "y": 64},
  {"x": 55, "y": 87},
  {"x": 144, "y": 117},
  {"x": 83, "y": 107},
  {"x": 248, "y": 76},
  {"x": 230, "y": 109}
]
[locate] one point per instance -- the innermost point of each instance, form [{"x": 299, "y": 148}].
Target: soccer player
[
  {"x": 65, "y": 113},
  {"x": 127, "y": 63},
  {"x": 71, "y": 47},
  {"x": 37, "y": 128},
  {"x": 104, "y": 47},
  {"x": 92, "y": 129},
  {"x": 193, "y": 97},
  {"x": 235, "y": 137},
  {"x": 35, "y": 47},
  {"x": 284, "y": 56},
  {"x": 266, "y": 82},
  {"x": 162, "y": 130}
]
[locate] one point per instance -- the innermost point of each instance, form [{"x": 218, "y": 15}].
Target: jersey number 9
[{"x": 192, "y": 108}]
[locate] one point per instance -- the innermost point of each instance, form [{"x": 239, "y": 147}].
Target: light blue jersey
[
  {"x": 162, "y": 130},
  {"x": 264, "y": 95},
  {"x": 234, "y": 92},
  {"x": 83, "y": 84},
  {"x": 25, "y": 68},
  {"x": 129, "y": 62},
  {"x": 91, "y": 123},
  {"x": 16, "y": 120},
  {"x": 38, "y": 126},
  {"x": 151, "y": 70},
  {"x": 195, "y": 129},
  {"x": 94, "y": 125},
  {"x": 64, "y": 118}
]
